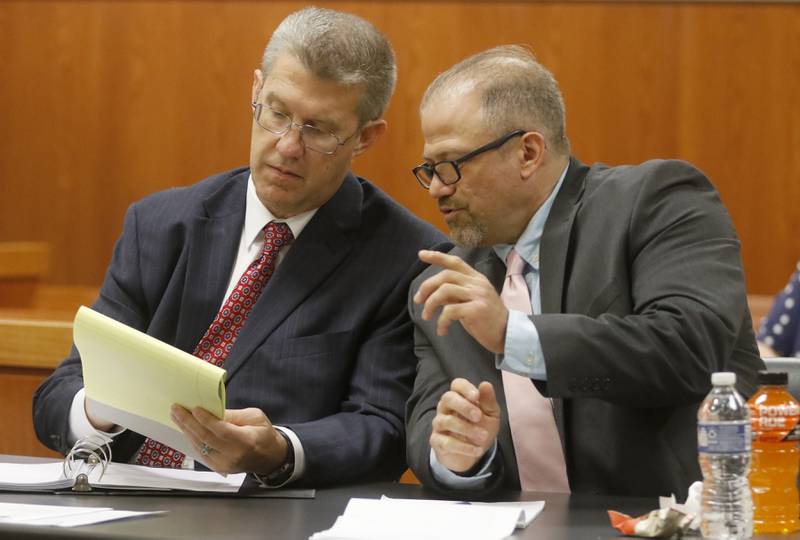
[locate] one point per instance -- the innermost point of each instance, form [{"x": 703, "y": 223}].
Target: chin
[
  {"x": 467, "y": 232},
  {"x": 277, "y": 200},
  {"x": 467, "y": 237}
]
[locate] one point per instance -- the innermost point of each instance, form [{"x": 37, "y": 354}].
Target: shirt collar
[
  {"x": 527, "y": 245},
  {"x": 256, "y": 217}
]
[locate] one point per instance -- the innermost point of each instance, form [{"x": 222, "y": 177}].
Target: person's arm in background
[{"x": 779, "y": 334}]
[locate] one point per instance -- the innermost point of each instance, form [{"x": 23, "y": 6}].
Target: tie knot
[
  {"x": 277, "y": 235},
  {"x": 514, "y": 263}
]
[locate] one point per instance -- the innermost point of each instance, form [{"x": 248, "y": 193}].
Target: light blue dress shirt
[{"x": 523, "y": 353}]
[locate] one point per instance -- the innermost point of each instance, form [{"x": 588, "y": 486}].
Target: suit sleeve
[
  {"x": 120, "y": 298},
  {"x": 365, "y": 440},
  {"x": 687, "y": 315},
  {"x": 430, "y": 383}
]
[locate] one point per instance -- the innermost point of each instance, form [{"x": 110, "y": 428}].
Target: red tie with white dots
[{"x": 218, "y": 340}]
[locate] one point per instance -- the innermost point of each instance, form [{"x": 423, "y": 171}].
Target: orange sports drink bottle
[{"x": 774, "y": 415}]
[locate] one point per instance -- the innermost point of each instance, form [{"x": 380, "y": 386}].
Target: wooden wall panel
[
  {"x": 102, "y": 102},
  {"x": 17, "y": 436}
]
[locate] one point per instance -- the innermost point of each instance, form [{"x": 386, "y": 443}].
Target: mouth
[
  {"x": 284, "y": 174},
  {"x": 449, "y": 212}
]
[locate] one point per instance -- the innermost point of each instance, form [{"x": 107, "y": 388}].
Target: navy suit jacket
[{"x": 327, "y": 350}]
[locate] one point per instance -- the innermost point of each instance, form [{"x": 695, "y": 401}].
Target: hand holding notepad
[{"x": 132, "y": 379}]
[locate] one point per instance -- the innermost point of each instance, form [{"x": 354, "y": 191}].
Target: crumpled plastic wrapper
[{"x": 671, "y": 519}]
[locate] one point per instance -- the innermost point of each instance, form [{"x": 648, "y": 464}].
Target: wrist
[
  {"x": 281, "y": 474},
  {"x": 97, "y": 423}
]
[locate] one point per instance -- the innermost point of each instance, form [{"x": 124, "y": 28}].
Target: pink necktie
[
  {"x": 540, "y": 458},
  {"x": 218, "y": 339}
]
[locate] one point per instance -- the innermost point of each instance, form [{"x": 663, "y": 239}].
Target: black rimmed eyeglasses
[{"x": 449, "y": 171}]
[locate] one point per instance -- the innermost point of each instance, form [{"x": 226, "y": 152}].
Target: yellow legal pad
[{"x": 132, "y": 379}]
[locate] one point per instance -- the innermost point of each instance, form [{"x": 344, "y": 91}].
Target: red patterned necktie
[
  {"x": 540, "y": 459},
  {"x": 218, "y": 340}
]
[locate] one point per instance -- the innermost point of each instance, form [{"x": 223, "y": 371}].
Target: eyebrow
[
  {"x": 447, "y": 155},
  {"x": 272, "y": 98}
]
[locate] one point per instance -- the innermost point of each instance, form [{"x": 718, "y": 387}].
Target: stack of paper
[
  {"x": 50, "y": 476},
  {"x": 400, "y": 519},
  {"x": 132, "y": 379},
  {"x": 62, "y": 516}
]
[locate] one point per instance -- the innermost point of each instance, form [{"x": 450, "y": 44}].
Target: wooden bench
[
  {"x": 23, "y": 266},
  {"x": 35, "y": 339}
]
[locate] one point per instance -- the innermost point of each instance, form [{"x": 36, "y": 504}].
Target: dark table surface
[{"x": 565, "y": 517}]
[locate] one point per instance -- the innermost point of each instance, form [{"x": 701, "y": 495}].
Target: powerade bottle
[
  {"x": 723, "y": 443},
  {"x": 774, "y": 415}
]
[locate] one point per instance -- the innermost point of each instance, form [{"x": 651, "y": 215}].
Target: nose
[
  {"x": 439, "y": 189},
  {"x": 290, "y": 144}
]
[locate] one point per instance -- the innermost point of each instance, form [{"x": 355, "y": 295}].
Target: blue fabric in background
[{"x": 781, "y": 328}]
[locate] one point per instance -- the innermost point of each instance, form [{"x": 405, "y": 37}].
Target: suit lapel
[
  {"x": 320, "y": 249},
  {"x": 489, "y": 264},
  {"x": 554, "y": 251},
  {"x": 213, "y": 245},
  {"x": 556, "y": 238}
]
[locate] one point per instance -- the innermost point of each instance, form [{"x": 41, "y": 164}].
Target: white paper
[
  {"x": 50, "y": 476},
  {"x": 400, "y": 519},
  {"x": 123, "y": 475},
  {"x": 529, "y": 509},
  {"x": 44, "y": 476},
  {"x": 62, "y": 516}
]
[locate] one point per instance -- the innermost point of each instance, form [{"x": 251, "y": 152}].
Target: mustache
[{"x": 449, "y": 202}]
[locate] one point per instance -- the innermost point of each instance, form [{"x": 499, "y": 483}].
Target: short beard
[{"x": 468, "y": 235}]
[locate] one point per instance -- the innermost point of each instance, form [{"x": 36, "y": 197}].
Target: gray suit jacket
[
  {"x": 327, "y": 349},
  {"x": 642, "y": 298}
]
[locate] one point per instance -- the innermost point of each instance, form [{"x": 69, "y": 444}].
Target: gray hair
[
  {"x": 338, "y": 47},
  {"x": 516, "y": 91}
]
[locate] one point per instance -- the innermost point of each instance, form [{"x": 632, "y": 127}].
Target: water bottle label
[{"x": 723, "y": 437}]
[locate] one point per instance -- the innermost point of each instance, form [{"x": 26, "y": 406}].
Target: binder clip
[{"x": 84, "y": 457}]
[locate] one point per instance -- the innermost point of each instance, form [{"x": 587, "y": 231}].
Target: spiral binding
[{"x": 86, "y": 454}]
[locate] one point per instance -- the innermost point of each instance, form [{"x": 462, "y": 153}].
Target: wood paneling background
[
  {"x": 17, "y": 435},
  {"x": 102, "y": 102}
]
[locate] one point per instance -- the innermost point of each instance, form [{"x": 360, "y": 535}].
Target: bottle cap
[
  {"x": 723, "y": 378},
  {"x": 773, "y": 377}
]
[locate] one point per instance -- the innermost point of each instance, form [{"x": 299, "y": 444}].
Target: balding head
[{"x": 516, "y": 92}]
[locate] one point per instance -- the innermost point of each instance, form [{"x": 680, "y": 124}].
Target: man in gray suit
[
  {"x": 319, "y": 365},
  {"x": 633, "y": 296}
]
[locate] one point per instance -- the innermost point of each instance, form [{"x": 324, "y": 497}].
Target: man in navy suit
[{"x": 318, "y": 376}]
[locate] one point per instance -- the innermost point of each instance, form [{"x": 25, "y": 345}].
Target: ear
[
  {"x": 370, "y": 133},
  {"x": 258, "y": 83},
  {"x": 531, "y": 153}
]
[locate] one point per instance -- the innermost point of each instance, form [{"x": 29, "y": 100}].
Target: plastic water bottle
[
  {"x": 723, "y": 441},
  {"x": 773, "y": 477}
]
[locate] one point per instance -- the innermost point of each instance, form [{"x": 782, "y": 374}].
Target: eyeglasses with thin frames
[
  {"x": 313, "y": 138},
  {"x": 449, "y": 171}
]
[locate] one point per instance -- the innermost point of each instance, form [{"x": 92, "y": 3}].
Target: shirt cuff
[
  {"x": 448, "y": 478},
  {"x": 523, "y": 353},
  {"x": 79, "y": 424},
  {"x": 299, "y": 455}
]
